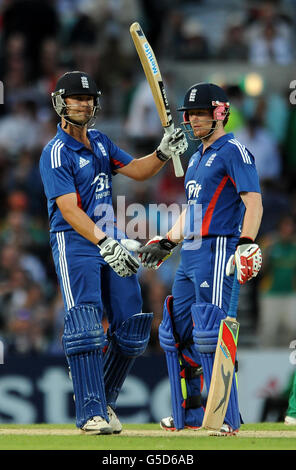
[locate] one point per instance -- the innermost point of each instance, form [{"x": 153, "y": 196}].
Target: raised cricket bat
[
  {"x": 223, "y": 368},
  {"x": 153, "y": 75}
]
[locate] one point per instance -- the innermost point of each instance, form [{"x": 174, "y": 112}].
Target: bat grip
[
  {"x": 176, "y": 160},
  {"x": 232, "y": 310},
  {"x": 169, "y": 129}
]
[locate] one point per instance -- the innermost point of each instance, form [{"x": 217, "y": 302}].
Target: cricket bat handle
[
  {"x": 176, "y": 159},
  {"x": 233, "y": 304}
]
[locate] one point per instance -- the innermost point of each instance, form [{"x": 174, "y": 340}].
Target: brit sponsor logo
[
  {"x": 193, "y": 188},
  {"x": 103, "y": 187}
]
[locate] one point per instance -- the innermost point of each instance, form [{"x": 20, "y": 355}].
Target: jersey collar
[
  {"x": 68, "y": 140},
  {"x": 219, "y": 142}
]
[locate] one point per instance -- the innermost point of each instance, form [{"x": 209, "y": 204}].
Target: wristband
[
  {"x": 167, "y": 244},
  {"x": 101, "y": 241},
  {"x": 244, "y": 241},
  {"x": 161, "y": 156}
]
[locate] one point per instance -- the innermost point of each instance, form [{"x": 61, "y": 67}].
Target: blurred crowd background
[{"x": 246, "y": 46}]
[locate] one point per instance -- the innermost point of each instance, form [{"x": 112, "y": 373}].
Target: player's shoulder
[
  {"x": 104, "y": 143},
  {"x": 99, "y": 137},
  {"x": 53, "y": 152},
  {"x": 53, "y": 144},
  {"x": 96, "y": 134},
  {"x": 233, "y": 147}
]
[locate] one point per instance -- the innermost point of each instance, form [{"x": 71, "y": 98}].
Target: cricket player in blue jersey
[
  {"x": 217, "y": 231},
  {"x": 96, "y": 272}
]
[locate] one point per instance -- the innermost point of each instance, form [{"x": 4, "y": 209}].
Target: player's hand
[
  {"x": 130, "y": 245},
  {"x": 155, "y": 252},
  {"x": 172, "y": 144},
  {"x": 247, "y": 259},
  {"x": 118, "y": 257}
]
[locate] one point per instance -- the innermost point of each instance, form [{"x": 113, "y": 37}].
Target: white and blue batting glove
[
  {"x": 118, "y": 257},
  {"x": 172, "y": 144}
]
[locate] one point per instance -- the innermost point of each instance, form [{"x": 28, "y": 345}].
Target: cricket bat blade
[{"x": 223, "y": 367}]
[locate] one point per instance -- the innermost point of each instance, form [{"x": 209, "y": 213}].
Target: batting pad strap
[
  {"x": 192, "y": 402},
  {"x": 189, "y": 373}
]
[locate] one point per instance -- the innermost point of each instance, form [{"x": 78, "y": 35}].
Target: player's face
[
  {"x": 79, "y": 108},
  {"x": 201, "y": 121}
]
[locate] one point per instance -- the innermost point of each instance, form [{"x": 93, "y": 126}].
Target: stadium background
[{"x": 246, "y": 46}]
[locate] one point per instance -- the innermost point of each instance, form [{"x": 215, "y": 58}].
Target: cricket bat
[
  {"x": 223, "y": 368},
  {"x": 153, "y": 76}
]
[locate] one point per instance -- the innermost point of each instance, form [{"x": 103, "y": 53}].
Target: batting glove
[
  {"x": 247, "y": 259},
  {"x": 118, "y": 257},
  {"x": 155, "y": 252},
  {"x": 172, "y": 144}
]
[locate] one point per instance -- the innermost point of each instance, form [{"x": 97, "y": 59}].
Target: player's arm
[
  {"x": 253, "y": 214},
  {"x": 143, "y": 168},
  {"x": 78, "y": 219},
  {"x": 120, "y": 260},
  {"x": 176, "y": 233},
  {"x": 240, "y": 166}
]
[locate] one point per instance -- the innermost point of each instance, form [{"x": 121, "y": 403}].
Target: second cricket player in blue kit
[
  {"x": 68, "y": 167},
  {"x": 217, "y": 230},
  {"x": 96, "y": 272}
]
